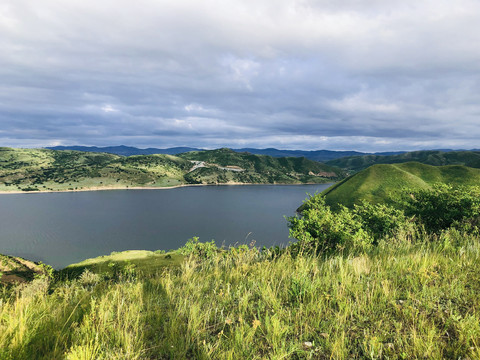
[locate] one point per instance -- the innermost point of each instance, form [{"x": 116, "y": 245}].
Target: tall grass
[{"x": 401, "y": 300}]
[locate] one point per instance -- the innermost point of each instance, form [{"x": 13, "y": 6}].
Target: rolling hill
[
  {"x": 378, "y": 182},
  {"x": 437, "y": 158},
  {"x": 54, "y": 170},
  {"x": 245, "y": 168}
]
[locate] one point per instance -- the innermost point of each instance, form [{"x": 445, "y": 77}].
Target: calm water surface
[{"x": 63, "y": 228}]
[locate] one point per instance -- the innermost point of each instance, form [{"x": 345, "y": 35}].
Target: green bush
[
  {"x": 321, "y": 230},
  {"x": 381, "y": 220},
  {"x": 443, "y": 206},
  {"x": 198, "y": 249}
]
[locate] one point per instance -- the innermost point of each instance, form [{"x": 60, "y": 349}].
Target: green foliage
[
  {"x": 195, "y": 248},
  {"x": 321, "y": 230},
  {"x": 443, "y": 206},
  {"x": 381, "y": 221}
]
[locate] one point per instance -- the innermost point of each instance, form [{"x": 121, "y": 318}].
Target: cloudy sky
[{"x": 368, "y": 75}]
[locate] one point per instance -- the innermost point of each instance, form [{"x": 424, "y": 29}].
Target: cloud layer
[{"x": 345, "y": 74}]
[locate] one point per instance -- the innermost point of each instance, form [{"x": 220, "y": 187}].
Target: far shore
[{"x": 106, "y": 188}]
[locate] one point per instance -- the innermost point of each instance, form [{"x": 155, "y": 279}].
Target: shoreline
[{"x": 96, "y": 188}]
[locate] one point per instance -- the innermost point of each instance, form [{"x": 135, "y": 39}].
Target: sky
[{"x": 365, "y": 75}]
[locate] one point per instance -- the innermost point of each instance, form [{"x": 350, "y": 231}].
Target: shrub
[
  {"x": 443, "y": 206},
  {"x": 320, "y": 230},
  {"x": 381, "y": 220},
  {"x": 196, "y": 248}
]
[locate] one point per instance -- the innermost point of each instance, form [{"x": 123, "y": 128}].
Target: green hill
[
  {"x": 377, "y": 182},
  {"x": 43, "y": 169},
  {"x": 437, "y": 158},
  {"x": 225, "y": 165}
]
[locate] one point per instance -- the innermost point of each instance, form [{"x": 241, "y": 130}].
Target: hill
[
  {"x": 226, "y": 165},
  {"x": 42, "y": 169},
  {"x": 54, "y": 170},
  {"x": 434, "y": 157},
  {"x": 377, "y": 182}
]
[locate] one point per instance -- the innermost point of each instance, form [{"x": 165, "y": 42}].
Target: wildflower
[
  {"x": 228, "y": 321},
  {"x": 256, "y": 323}
]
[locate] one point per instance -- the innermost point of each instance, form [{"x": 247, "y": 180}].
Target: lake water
[{"x": 63, "y": 228}]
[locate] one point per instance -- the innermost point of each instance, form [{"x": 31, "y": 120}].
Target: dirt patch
[{"x": 17, "y": 270}]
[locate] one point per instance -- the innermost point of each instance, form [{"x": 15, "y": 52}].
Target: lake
[{"x": 63, "y": 228}]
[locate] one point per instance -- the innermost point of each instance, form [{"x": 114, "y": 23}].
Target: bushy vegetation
[{"x": 323, "y": 229}]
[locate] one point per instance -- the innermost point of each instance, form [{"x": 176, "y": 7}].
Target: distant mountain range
[
  {"x": 123, "y": 150},
  {"x": 317, "y": 155}
]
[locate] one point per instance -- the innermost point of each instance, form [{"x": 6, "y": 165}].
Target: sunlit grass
[{"x": 398, "y": 301}]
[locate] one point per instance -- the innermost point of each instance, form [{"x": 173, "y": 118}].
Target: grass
[
  {"x": 404, "y": 299},
  {"x": 143, "y": 261},
  {"x": 378, "y": 182}
]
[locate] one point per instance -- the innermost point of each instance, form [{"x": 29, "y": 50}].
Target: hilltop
[
  {"x": 430, "y": 157},
  {"x": 378, "y": 182},
  {"x": 54, "y": 170}
]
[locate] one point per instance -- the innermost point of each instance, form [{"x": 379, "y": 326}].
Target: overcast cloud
[{"x": 367, "y": 75}]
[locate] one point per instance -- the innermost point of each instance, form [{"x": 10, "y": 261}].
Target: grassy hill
[
  {"x": 43, "y": 169},
  {"x": 437, "y": 158},
  {"x": 377, "y": 182},
  {"x": 226, "y": 165}
]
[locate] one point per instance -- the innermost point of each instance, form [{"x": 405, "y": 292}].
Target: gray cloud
[{"x": 310, "y": 74}]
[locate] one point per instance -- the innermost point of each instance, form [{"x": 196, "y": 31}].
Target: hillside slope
[
  {"x": 377, "y": 182},
  {"x": 51, "y": 170},
  {"x": 226, "y": 165},
  {"x": 437, "y": 158},
  {"x": 41, "y": 169}
]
